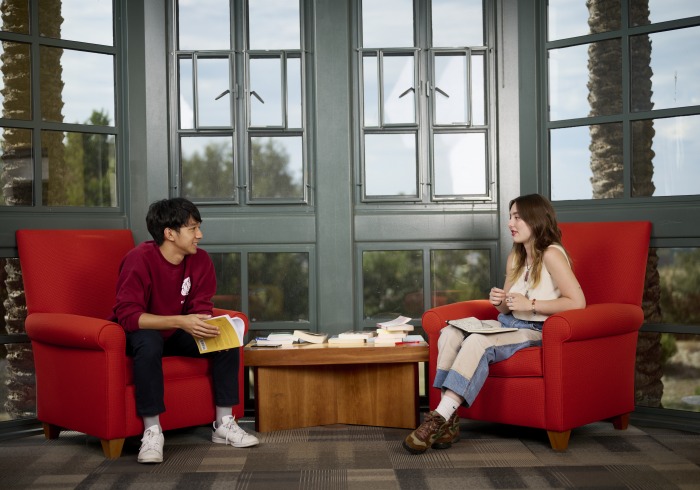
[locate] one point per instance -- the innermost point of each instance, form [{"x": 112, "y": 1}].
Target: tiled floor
[{"x": 365, "y": 458}]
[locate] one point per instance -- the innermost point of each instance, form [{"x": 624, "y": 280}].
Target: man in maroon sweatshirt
[{"x": 164, "y": 292}]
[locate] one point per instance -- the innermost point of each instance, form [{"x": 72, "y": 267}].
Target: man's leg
[{"x": 146, "y": 349}]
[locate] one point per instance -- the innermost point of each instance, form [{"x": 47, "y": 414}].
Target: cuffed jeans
[
  {"x": 463, "y": 359},
  {"x": 148, "y": 347}
]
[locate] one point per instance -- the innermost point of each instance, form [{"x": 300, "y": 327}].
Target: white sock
[
  {"x": 447, "y": 406},
  {"x": 150, "y": 421},
  {"x": 222, "y": 412}
]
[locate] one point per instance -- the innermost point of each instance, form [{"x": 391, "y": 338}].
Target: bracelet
[
  {"x": 499, "y": 303},
  {"x": 534, "y": 311}
]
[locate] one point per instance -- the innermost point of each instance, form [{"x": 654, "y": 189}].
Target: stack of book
[
  {"x": 393, "y": 332},
  {"x": 352, "y": 337},
  {"x": 277, "y": 339},
  {"x": 311, "y": 337}
]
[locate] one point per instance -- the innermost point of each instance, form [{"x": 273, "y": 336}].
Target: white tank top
[{"x": 546, "y": 289}]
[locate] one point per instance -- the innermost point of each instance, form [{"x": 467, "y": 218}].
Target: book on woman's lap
[{"x": 474, "y": 325}]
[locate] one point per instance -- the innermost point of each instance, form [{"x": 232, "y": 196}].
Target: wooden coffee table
[{"x": 308, "y": 385}]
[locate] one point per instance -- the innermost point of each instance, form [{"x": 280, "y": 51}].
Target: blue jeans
[
  {"x": 509, "y": 321},
  {"x": 148, "y": 347}
]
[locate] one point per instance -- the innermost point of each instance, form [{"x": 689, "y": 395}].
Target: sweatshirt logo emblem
[{"x": 186, "y": 285}]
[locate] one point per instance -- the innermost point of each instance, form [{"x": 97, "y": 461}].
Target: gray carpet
[{"x": 366, "y": 458}]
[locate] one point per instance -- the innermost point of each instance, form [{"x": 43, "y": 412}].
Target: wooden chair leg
[
  {"x": 559, "y": 440},
  {"x": 621, "y": 421},
  {"x": 112, "y": 448},
  {"x": 51, "y": 431}
]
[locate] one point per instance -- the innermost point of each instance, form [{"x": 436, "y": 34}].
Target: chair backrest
[
  {"x": 609, "y": 259},
  {"x": 72, "y": 271}
]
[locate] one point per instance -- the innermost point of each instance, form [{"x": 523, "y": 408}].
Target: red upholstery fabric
[
  {"x": 84, "y": 378},
  {"x": 584, "y": 371}
]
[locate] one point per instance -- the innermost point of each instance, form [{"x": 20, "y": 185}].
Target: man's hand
[{"x": 197, "y": 327}]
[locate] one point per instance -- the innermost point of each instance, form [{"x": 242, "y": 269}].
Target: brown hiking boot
[
  {"x": 433, "y": 426},
  {"x": 450, "y": 435}
]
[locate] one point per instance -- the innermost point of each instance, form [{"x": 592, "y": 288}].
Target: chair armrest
[
  {"x": 232, "y": 313},
  {"x": 592, "y": 322},
  {"x": 76, "y": 331},
  {"x": 436, "y": 318}
]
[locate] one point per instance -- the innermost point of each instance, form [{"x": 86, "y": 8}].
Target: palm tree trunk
[{"x": 607, "y": 166}]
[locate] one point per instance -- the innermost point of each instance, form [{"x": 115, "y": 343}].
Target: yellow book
[{"x": 231, "y": 331}]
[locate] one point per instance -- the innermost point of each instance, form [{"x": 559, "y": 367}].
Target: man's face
[{"x": 187, "y": 237}]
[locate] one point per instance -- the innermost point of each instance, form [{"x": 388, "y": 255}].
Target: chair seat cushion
[
  {"x": 177, "y": 367},
  {"x": 524, "y": 363}
]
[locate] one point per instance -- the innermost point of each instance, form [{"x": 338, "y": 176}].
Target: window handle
[
  {"x": 410, "y": 89},
  {"x": 255, "y": 94},
  {"x": 440, "y": 91},
  {"x": 222, "y": 94}
]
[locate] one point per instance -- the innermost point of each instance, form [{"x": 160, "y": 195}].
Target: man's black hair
[{"x": 171, "y": 213}]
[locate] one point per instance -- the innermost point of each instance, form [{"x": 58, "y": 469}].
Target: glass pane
[
  {"x": 450, "y": 93},
  {"x": 77, "y": 20},
  {"x": 15, "y": 82},
  {"x": 185, "y": 92},
  {"x": 459, "y": 275},
  {"x": 457, "y": 23},
  {"x": 586, "y": 162},
  {"x": 213, "y": 92},
  {"x": 664, "y": 157},
  {"x": 207, "y": 167},
  {"x": 78, "y": 169},
  {"x": 278, "y": 286},
  {"x": 399, "y": 90},
  {"x": 14, "y": 15},
  {"x": 478, "y": 90},
  {"x": 679, "y": 276},
  {"x": 460, "y": 164},
  {"x": 390, "y": 165},
  {"x": 228, "y": 280},
  {"x": 203, "y": 24},
  {"x": 643, "y": 12},
  {"x": 16, "y": 167},
  {"x": 17, "y": 382},
  {"x": 73, "y": 94},
  {"x": 265, "y": 92},
  {"x": 274, "y": 24},
  {"x": 570, "y": 18},
  {"x": 574, "y": 91},
  {"x": 294, "y": 97},
  {"x": 681, "y": 363},
  {"x": 674, "y": 80},
  {"x": 392, "y": 283},
  {"x": 388, "y": 23},
  {"x": 370, "y": 89},
  {"x": 277, "y": 167}
]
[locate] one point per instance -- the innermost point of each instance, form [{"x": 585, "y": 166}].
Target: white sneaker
[
  {"x": 151, "y": 450},
  {"x": 230, "y": 433}
]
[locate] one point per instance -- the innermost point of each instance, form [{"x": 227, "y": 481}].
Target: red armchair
[
  {"x": 584, "y": 371},
  {"x": 84, "y": 379}
]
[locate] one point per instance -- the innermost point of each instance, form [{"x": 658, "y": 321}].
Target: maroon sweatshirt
[{"x": 150, "y": 284}]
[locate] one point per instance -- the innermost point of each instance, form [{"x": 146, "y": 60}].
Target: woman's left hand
[{"x": 517, "y": 302}]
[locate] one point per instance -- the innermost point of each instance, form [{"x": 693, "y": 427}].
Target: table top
[{"x": 319, "y": 354}]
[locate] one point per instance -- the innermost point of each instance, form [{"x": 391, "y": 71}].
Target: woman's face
[{"x": 519, "y": 230}]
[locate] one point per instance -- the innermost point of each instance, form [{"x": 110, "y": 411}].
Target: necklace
[{"x": 527, "y": 271}]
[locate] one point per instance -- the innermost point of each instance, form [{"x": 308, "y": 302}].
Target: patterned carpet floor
[{"x": 365, "y": 458}]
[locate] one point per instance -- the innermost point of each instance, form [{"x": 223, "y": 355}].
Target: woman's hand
[
  {"x": 496, "y": 296},
  {"x": 518, "y": 302}
]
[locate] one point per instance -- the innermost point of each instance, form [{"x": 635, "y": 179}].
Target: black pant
[{"x": 147, "y": 348}]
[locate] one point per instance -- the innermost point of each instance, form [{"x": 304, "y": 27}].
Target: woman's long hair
[{"x": 538, "y": 213}]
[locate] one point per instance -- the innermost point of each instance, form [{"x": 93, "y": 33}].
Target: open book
[
  {"x": 231, "y": 331},
  {"x": 474, "y": 325}
]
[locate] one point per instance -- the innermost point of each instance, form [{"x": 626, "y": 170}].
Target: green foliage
[
  {"x": 679, "y": 272},
  {"x": 668, "y": 346},
  {"x": 209, "y": 175},
  {"x": 278, "y": 286}
]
